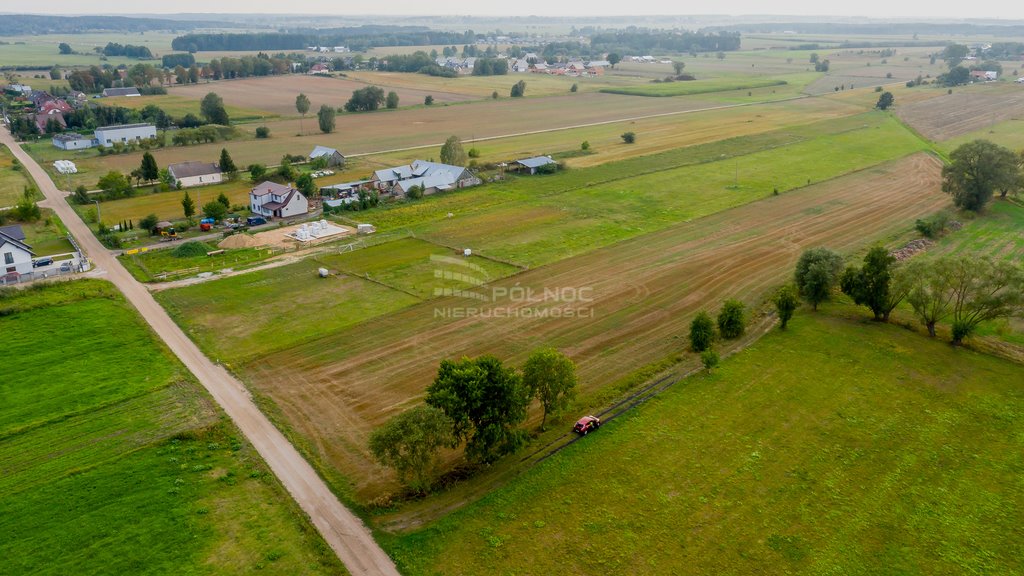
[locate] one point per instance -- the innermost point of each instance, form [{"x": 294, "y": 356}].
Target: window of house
[{"x": 8, "y": 257}]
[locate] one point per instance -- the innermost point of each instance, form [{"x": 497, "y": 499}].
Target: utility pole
[{"x": 99, "y": 220}]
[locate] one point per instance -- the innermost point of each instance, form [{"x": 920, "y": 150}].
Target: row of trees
[{"x": 478, "y": 402}]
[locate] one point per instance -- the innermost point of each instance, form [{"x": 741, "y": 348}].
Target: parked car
[
  {"x": 255, "y": 220},
  {"x": 40, "y": 262},
  {"x": 586, "y": 424},
  {"x": 65, "y": 267}
]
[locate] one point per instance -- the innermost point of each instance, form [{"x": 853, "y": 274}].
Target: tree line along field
[
  {"x": 128, "y": 467},
  {"x": 838, "y": 445},
  {"x": 343, "y": 384}
]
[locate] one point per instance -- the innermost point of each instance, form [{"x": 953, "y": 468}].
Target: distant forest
[
  {"x": 356, "y": 38},
  {"x": 24, "y": 24},
  {"x": 880, "y": 28},
  {"x": 640, "y": 41}
]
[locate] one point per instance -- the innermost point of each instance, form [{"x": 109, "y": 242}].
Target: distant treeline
[
  {"x": 24, "y": 24},
  {"x": 418, "y": 61},
  {"x": 646, "y": 41},
  {"x": 184, "y": 59},
  {"x": 357, "y": 38},
  {"x": 115, "y": 49},
  {"x": 884, "y": 29}
]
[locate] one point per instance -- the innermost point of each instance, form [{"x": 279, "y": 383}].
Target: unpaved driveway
[{"x": 342, "y": 530}]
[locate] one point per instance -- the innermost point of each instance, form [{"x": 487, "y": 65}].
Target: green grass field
[
  {"x": 162, "y": 264},
  {"x": 115, "y": 461},
  {"x": 43, "y": 50},
  {"x": 997, "y": 232},
  {"x": 693, "y": 87},
  {"x": 12, "y": 181},
  {"x": 178, "y": 106},
  {"x": 838, "y": 446}
]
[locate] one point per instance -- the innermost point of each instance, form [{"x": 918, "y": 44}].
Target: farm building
[
  {"x": 984, "y": 75},
  {"x": 18, "y": 89},
  {"x": 277, "y": 201},
  {"x": 111, "y": 92},
  {"x": 432, "y": 176},
  {"x": 73, "y": 141},
  {"x": 345, "y": 190},
  {"x": 535, "y": 163},
  {"x": 319, "y": 68},
  {"x": 106, "y": 136},
  {"x": 188, "y": 174},
  {"x": 17, "y": 256},
  {"x": 334, "y": 158}
]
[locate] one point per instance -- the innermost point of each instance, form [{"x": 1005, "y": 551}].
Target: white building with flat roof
[{"x": 107, "y": 136}]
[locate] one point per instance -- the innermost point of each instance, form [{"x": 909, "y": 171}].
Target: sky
[{"x": 918, "y": 9}]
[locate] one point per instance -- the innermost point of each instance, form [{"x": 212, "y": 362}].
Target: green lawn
[
  {"x": 12, "y": 181},
  {"x": 997, "y": 232},
  {"x": 687, "y": 88},
  {"x": 535, "y": 220},
  {"x": 159, "y": 264},
  {"x": 247, "y": 316},
  {"x": 114, "y": 461},
  {"x": 839, "y": 446}
]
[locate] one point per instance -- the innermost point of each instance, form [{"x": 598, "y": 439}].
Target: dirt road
[{"x": 341, "y": 529}]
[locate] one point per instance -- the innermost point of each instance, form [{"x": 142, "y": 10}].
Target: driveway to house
[{"x": 343, "y": 531}]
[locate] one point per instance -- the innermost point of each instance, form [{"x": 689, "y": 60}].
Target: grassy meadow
[
  {"x": 13, "y": 180},
  {"x": 693, "y": 87},
  {"x": 115, "y": 461},
  {"x": 837, "y": 446}
]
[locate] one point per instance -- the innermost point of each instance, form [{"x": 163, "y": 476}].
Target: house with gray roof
[
  {"x": 15, "y": 255},
  {"x": 277, "y": 201},
  {"x": 189, "y": 174},
  {"x": 72, "y": 141},
  {"x": 111, "y": 92},
  {"x": 334, "y": 158},
  {"x": 433, "y": 176},
  {"x": 535, "y": 163}
]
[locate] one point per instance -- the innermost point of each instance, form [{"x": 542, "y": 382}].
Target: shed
[
  {"x": 532, "y": 164},
  {"x": 334, "y": 158}
]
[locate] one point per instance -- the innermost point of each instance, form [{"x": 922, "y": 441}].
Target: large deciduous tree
[
  {"x": 929, "y": 294},
  {"x": 872, "y": 284},
  {"x": 325, "y": 117},
  {"x": 885, "y": 101},
  {"x": 486, "y": 402},
  {"x": 365, "y": 99},
  {"x": 786, "y": 301},
  {"x": 452, "y": 152},
  {"x": 816, "y": 274},
  {"x": 301, "y": 106},
  {"x": 976, "y": 170},
  {"x": 212, "y": 108},
  {"x": 731, "y": 320},
  {"x": 983, "y": 289},
  {"x": 409, "y": 443},
  {"x": 702, "y": 332},
  {"x": 550, "y": 376}
]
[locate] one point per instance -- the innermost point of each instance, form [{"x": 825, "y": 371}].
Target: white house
[
  {"x": 72, "y": 141},
  {"x": 334, "y": 158},
  {"x": 15, "y": 255},
  {"x": 106, "y": 136},
  {"x": 188, "y": 174},
  {"x": 277, "y": 201}
]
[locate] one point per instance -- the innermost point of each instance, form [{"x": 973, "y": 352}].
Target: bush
[
  {"x": 263, "y": 132},
  {"x": 629, "y": 137},
  {"x": 191, "y": 250},
  {"x": 933, "y": 226},
  {"x": 709, "y": 358},
  {"x": 702, "y": 332},
  {"x": 474, "y": 153},
  {"x": 585, "y": 146},
  {"x": 731, "y": 321},
  {"x": 149, "y": 223}
]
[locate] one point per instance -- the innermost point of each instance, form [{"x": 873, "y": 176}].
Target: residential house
[
  {"x": 432, "y": 176},
  {"x": 43, "y": 120},
  {"x": 319, "y": 68},
  {"x": 19, "y": 89},
  {"x": 334, "y": 158},
  {"x": 984, "y": 75},
  {"x": 532, "y": 164},
  {"x": 189, "y": 174},
  {"x": 73, "y": 141},
  {"x": 277, "y": 201},
  {"x": 107, "y": 136},
  {"x": 111, "y": 92},
  {"x": 15, "y": 255},
  {"x": 520, "y": 65}
]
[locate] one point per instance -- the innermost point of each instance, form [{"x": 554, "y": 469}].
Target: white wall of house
[
  {"x": 14, "y": 259},
  {"x": 79, "y": 144},
  {"x": 297, "y": 207},
  {"x": 107, "y": 138},
  {"x": 201, "y": 180}
]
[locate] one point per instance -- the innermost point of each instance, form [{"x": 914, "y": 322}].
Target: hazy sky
[{"x": 1007, "y": 9}]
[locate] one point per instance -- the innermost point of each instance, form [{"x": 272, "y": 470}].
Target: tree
[
  {"x": 148, "y": 169},
  {"x": 983, "y": 289},
  {"x": 629, "y": 137},
  {"x": 872, "y": 284},
  {"x": 816, "y": 274},
  {"x": 81, "y": 195},
  {"x": 814, "y": 58},
  {"x": 226, "y": 164},
  {"x": 326, "y": 119},
  {"x": 223, "y": 199},
  {"x": 614, "y": 59},
  {"x": 304, "y": 183},
  {"x": 702, "y": 332},
  {"x": 954, "y": 54},
  {"x": 188, "y": 206},
  {"x": 262, "y": 132},
  {"x": 409, "y": 442},
  {"x": 957, "y": 76},
  {"x": 212, "y": 108},
  {"x": 928, "y": 285},
  {"x": 550, "y": 376},
  {"x": 709, "y": 358},
  {"x": 55, "y": 73},
  {"x": 678, "y": 66},
  {"x": 115, "y": 185},
  {"x": 26, "y": 209},
  {"x": 731, "y": 321},
  {"x": 975, "y": 170},
  {"x": 786, "y": 302},
  {"x": 365, "y": 99},
  {"x": 391, "y": 102},
  {"x": 574, "y": 87},
  {"x": 64, "y": 48},
  {"x": 215, "y": 210},
  {"x": 257, "y": 172},
  {"x": 452, "y": 152},
  {"x": 301, "y": 106},
  {"x": 149, "y": 223},
  {"x": 428, "y": 100},
  {"x": 885, "y": 101},
  {"x": 485, "y": 401},
  {"x": 518, "y": 89}
]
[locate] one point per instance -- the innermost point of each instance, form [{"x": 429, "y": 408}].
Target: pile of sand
[{"x": 239, "y": 241}]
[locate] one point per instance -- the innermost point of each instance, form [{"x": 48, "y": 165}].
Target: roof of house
[
  {"x": 418, "y": 169},
  {"x": 345, "y": 185},
  {"x": 269, "y": 187},
  {"x": 70, "y": 137},
  {"x": 536, "y": 161},
  {"x": 124, "y": 127},
  {"x": 14, "y": 231},
  {"x": 121, "y": 92},
  {"x": 193, "y": 168},
  {"x": 323, "y": 151},
  {"x": 4, "y": 237}
]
